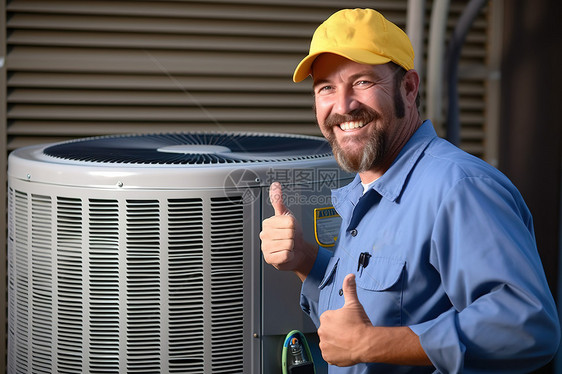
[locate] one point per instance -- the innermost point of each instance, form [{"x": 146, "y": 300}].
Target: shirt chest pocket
[
  {"x": 380, "y": 290},
  {"x": 381, "y": 274}
]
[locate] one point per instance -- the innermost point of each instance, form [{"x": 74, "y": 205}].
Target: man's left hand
[{"x": 341, "y": 330}]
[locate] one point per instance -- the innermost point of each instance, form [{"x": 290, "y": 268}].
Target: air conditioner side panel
[{"x": 132, "y": 280}]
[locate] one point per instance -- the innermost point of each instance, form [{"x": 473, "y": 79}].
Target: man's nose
[{"x": 345, "y": 102}]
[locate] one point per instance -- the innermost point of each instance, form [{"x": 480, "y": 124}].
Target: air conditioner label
[{"x": 327, "y": 224}]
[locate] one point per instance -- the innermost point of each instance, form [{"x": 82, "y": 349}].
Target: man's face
[{"x": 355, "y": 106}]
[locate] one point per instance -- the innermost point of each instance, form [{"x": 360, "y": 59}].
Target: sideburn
[{"x": 399, "y": 106}]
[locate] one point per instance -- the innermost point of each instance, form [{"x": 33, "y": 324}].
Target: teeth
[{"x": 351, "y": 125}]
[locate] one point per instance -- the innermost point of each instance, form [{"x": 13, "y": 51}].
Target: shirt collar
[{"x": 391, "y": 184}]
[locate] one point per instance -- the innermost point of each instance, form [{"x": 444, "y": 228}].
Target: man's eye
[
  {"x": 363, "y": 83},
  {"x": 324, "y": 89}
]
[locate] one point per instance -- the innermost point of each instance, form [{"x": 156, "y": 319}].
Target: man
[{"x": 436, "y": 267}]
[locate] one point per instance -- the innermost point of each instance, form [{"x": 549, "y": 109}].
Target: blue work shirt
[{"x": 452, "y": 256}]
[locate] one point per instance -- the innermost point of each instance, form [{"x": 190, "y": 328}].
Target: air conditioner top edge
[
  {"x": 178, "y": 177},
  {"x": 33, "y": 164}
]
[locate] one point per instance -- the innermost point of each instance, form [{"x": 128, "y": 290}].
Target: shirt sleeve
[
  {"x": 503, "y": 317},
  {"x": 310, "y": 291}
]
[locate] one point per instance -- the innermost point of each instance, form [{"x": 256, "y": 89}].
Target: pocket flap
[
  {"x": 330, "y": 271},
  {"x": 381, "y": 273}
]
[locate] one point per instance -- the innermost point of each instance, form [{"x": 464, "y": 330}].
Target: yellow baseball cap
[{"x": 360, "y": 35}]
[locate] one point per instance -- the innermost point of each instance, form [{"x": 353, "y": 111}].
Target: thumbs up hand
[
  {"x": 283, "y": 245},
  {"x": 341, "y": 330}
]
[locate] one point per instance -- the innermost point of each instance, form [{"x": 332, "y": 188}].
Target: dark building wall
[{"x": 531, "y": 120}]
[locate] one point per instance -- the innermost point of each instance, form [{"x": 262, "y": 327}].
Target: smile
[{"x": 351, "y": 125}]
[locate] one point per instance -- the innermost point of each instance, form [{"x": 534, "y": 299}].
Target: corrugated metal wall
[
  {"x": 81, "y": 68},
  {"x": 94, "y": 67}
]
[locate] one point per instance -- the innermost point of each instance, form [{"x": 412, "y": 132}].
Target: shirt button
[
  {"x": 353, "y": 232},
  {"x": 340, "y": 292}
]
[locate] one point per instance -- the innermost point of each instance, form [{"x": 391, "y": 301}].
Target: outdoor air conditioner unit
[{"x": 141, "y": 254}]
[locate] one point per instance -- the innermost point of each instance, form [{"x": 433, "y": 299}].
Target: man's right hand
[{"x": 283, "y": 245}]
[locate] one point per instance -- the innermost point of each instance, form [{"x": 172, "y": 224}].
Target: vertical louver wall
[
  {"x": 227, "y": 287},
  {"x": 185, "y": 264}
]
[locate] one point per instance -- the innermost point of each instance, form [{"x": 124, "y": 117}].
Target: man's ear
[{"x": 411, "y": 85}]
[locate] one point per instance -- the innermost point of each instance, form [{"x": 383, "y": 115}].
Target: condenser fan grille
[
  {"x": 107, "y": 287},
  {"x": 191, "y": 148}
]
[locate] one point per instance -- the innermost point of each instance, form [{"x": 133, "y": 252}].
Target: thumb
[
  {"x": 350, "y": 290},
  {"x": 276, "y": 198}
]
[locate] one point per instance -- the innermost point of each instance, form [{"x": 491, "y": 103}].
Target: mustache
[{"x": 364, "y": 115}]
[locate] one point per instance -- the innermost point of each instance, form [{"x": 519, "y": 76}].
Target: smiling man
[{"x": 436, "y": 267}]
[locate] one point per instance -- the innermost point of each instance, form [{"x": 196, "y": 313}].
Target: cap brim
[{"x": 304, "y": 68}]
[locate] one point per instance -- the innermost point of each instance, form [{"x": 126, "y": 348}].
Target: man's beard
[
  {"x": 374, "y": 148},
  {"x": 372, "y": 155}
]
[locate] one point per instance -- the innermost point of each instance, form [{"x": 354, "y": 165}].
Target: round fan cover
[{"x": 192, "y": 148}]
